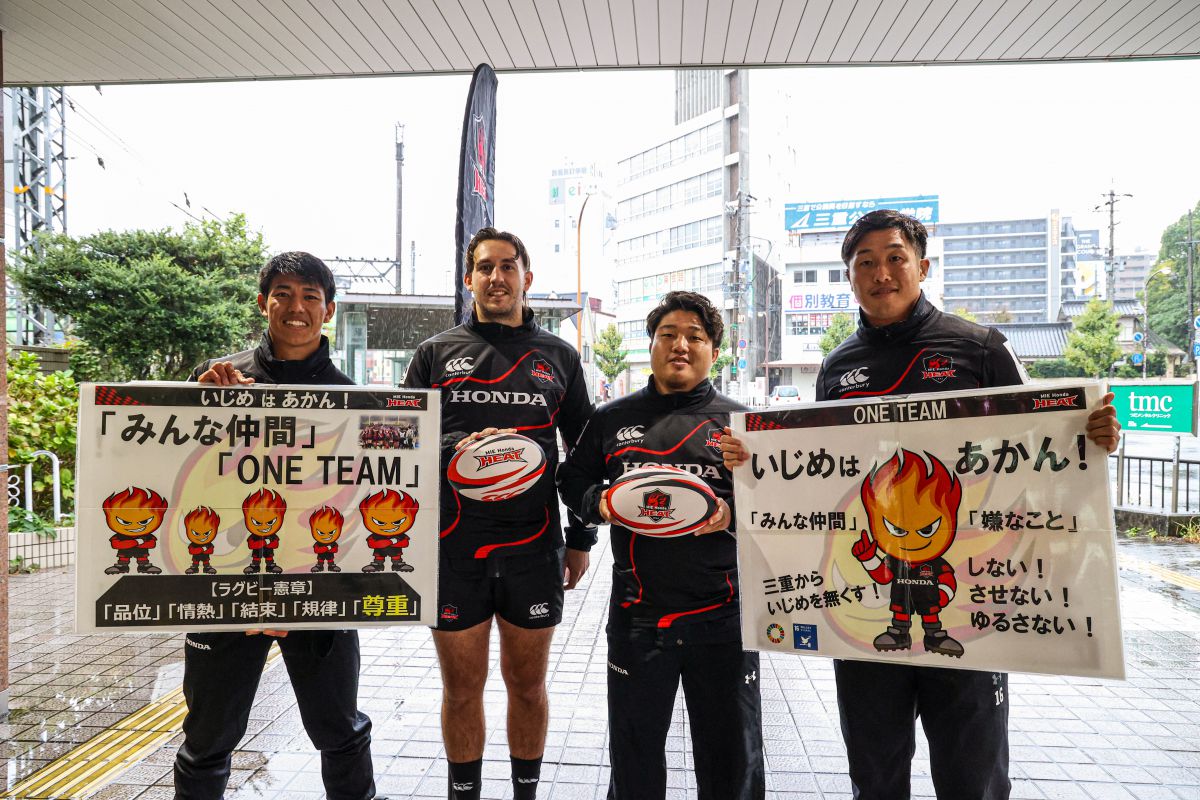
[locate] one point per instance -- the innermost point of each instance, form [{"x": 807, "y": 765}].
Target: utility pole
[
  {"x": 399, "y": 285},
  {"x": 412, "y": 267},
  {"x": 1111, "y": 283},
  {"x": 1191, "y": 245}
]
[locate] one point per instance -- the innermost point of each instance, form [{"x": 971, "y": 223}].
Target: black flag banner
[{"x": 476, "y": 176}]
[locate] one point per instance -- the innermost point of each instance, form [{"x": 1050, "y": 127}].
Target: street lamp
[
  {"x": 1163, "y": 270},
  {"x": 579, "y": 274}
]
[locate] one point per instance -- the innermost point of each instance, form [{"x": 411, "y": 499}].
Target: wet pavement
[{"x": 1071, "y": 737}]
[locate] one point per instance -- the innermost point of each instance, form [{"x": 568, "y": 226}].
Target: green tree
[
  {"x": 720, "y": 363},
  {"x": 1168, "y": 303},
  {"x": 1092, "y": 342},
  {"x": 42, "y": 410},
  {"x": 1001, "y": 317},
  {"x": 610, "y": 358},
  {"x": 1054, "y": 368},
  {"x": 839, "y": 330},
  {"x": 151, "y": 303},
  {"x": 962, "y": 312}
]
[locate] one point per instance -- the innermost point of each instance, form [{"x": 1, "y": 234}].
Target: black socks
[
  {"x": 464, "y": 780},
  {"x": 526, "y": 773}
]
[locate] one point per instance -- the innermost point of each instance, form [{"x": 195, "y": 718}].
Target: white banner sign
[
  {"x": 227, "y": 508},
  {"x": 959, "y": 529}
]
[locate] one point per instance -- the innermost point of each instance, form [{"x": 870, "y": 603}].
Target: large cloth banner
[
  {"x": 476, "y": 178},
  {"x": 202, "y": 507},
  {"x": 960, "y": 529}
]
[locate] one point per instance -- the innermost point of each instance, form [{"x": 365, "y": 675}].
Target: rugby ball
[
  {"x": 660, "y": 501},
  {"x": 497, "y": 467}
]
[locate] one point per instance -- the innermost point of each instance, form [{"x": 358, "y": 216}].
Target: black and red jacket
[
  {"x": 928, "y": 352},
  {"x": 497, "y": 376},
  {"x": 661, "y": 583}
]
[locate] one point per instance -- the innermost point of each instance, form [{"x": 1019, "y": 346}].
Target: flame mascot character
[
  {"x": 133, "y": 516},
  {"x": 201, "y": 525},
  {"x": 263, "y": 512},
  {"x": 388, "y": 515},
  {"x": 912, "y": 512},
  {"x": 325, "y": 524}
]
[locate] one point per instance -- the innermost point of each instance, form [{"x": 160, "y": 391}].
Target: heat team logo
[
  {"x": 501, "y": 458},
  {"x": 449, "y": 612},
  {"x": 1055, "y": 402},
  {"x": 926, "y": 572},
  {"x": 542, "y": 370},
  {"x": 937, "y": 367},
  {"x": 775, "y": 633},
  {"x": 656, "y": 504},
  {"x": 714, "y": 439},
  {"x": 404, "y": 402}
]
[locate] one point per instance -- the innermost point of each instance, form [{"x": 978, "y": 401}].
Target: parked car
[{"x": 783, "y": 394}]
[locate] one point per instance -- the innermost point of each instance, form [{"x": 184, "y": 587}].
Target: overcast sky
[{"x": 312, "y": 165}]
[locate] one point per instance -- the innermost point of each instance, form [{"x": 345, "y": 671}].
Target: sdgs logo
[{"x": 775, "y": 633}]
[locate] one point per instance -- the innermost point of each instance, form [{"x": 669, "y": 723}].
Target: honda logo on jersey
[
  {"x": 631, "y": 434},
  {"x": 460, "y": 364},
  {"x": 507, "y": 398}
]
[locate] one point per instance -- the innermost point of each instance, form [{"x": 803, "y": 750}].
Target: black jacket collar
[
  {"x": 493, "y": 331},
  {"x": 921, "y": 312},
  {"x": 700, "y": 394},
  {"x": 299, "y": 371}
]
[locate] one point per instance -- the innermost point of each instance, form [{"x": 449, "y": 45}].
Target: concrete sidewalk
[{"x": 1071, "y": 737}]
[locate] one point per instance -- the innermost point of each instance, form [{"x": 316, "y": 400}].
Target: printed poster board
[
  {"x": 959, "y": 529},
  {"x": 202, "y": 507}
]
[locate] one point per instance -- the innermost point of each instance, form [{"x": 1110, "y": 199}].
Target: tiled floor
[{"x": 1071, "y": 737}]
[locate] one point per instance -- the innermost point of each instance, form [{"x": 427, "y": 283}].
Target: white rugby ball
[
  {"x": 496, "y": 467},
  {"x": 660, "y": 501}
]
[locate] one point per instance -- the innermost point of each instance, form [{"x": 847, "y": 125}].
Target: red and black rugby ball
[
  {"x": 497, "y": 467},
  {"x": 660, "y": 501}
]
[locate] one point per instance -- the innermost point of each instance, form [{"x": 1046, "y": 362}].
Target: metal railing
[{"x": 1164, "y": 484}]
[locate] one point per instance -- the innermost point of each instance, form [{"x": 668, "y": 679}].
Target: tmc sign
[{"x": 1156, "y": 407}]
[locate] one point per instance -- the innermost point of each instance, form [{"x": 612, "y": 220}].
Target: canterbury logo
[
  {"x": 539, "y": 609},
  {"x": 854, "y": 377},
  {"x": 460, "y": 364},
  {"x": 462, "y": 787},
  {"x": 629, "y": 434}
]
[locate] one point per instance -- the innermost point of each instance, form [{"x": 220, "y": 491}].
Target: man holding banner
[
  {"x": 501, "y": 559},
  {"x": 904, "y": 346},
  {"x": 221, "y": 671}
]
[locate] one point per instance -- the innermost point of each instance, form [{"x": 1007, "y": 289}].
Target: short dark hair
[
  {"x": 304, "y": 266},
  {"x": 484, "y": 234},
  {"x": 698, "y": 304},
  {"x": 910, "y": 228}
]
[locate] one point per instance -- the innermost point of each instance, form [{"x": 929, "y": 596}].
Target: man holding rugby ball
[
  {"x": 674, "y": 611},
  {"x": 501, "y": 559}
]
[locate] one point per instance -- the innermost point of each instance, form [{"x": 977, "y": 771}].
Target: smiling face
[
  {"x": 388, "y": 513},
  {"x": 681, "y": 353},
  {"x": 498, "y": 282},
  {"x": 263, "y": 512},
  {"x": 325, "y": 525},
  {"x": 134, "y": 512},
  {"x": 885, "y": 275},
  {"x": 912, "y": 512},
  {"x": 295, "y": 310},
  {"x": 201, "y": 525}
]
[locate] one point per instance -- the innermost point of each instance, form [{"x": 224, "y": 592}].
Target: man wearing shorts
[{"x": 501, "y": 559}]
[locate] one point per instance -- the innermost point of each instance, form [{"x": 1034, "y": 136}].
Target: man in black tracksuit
[
  {"x": 222, "y": 670},
  {"x": 501, "y": 559},
  {"x": 674, "y": 608},
  {"x": 904, "y": 345}
]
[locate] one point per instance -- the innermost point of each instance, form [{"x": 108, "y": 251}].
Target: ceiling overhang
[{"x": 66, "y": 42}]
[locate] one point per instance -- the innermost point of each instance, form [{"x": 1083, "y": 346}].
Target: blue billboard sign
[{"x": 841, "y": 214}]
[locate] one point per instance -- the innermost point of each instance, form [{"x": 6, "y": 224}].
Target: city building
[
  {"x": 696, "y": 211},
  {"x": 1132, "y": 269}
]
